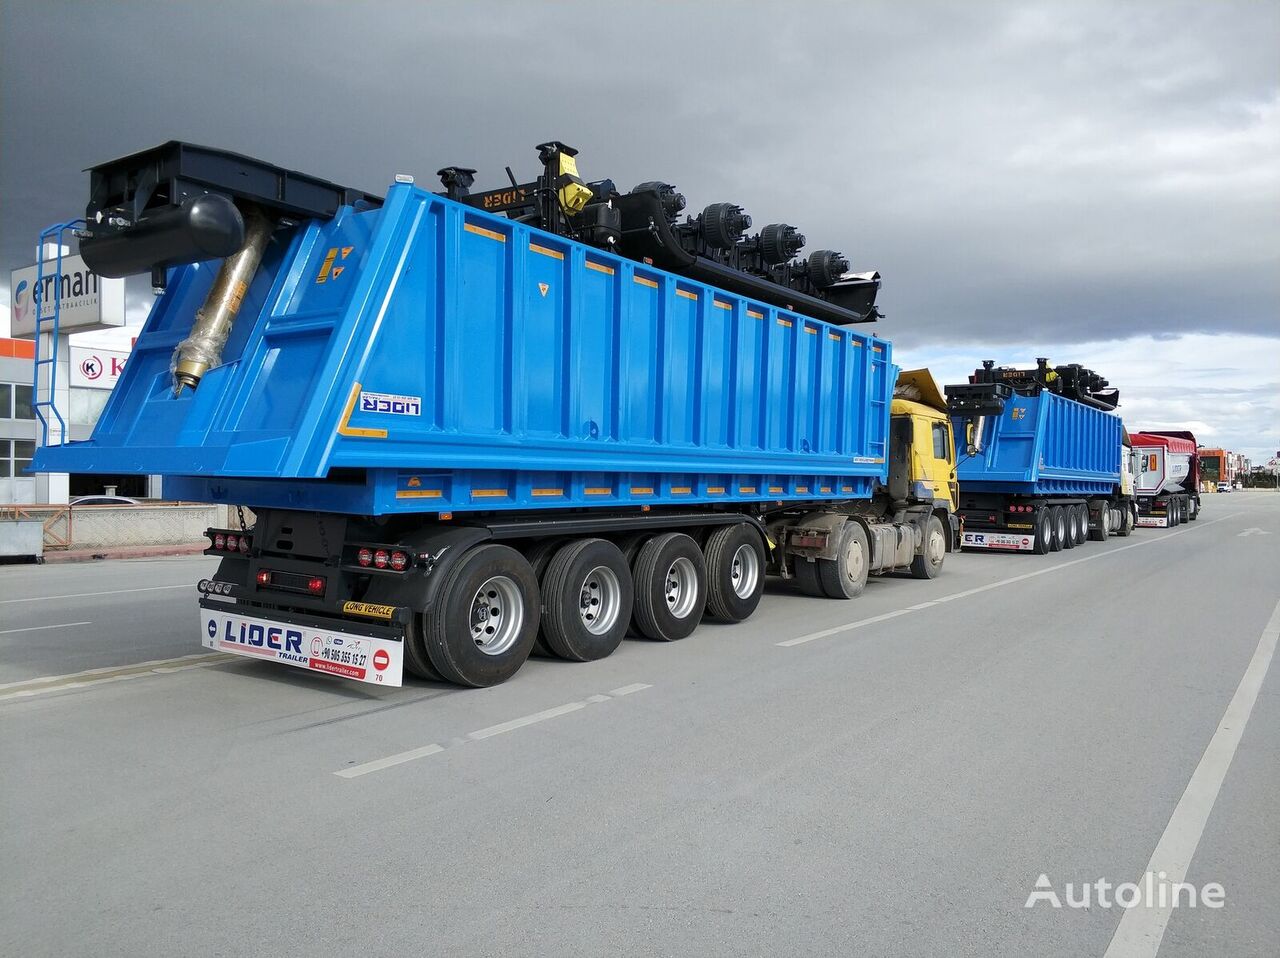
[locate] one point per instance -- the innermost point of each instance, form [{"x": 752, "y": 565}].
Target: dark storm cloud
[{"x": 1081, "y": 171}]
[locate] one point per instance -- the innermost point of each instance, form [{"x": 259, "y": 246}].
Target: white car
[{"x": 1224, "y": 487}]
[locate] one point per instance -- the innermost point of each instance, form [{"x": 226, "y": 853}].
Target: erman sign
[{"x": 86, "y": 301}]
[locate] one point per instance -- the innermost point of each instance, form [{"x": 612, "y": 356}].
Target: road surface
[{"x": 887, "y": 776}]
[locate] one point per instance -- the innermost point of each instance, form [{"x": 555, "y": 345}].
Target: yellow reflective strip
[
  {"x": 854, "y": 342},
  {"x": 754, "y": 314},
  {"x": 877, "y": 349},
  {"x": 553, "y": 253},
  {"x": 346, "y": 430},
  {"x": 687, "y": 295},
  {"x": 784, "y": 322},
  {"x": 651, "y": 283},
  {"x": 846, "y": 488},
  {"x": 746, "y": 490},
  {"x": 681, "y": 490},
  {"x": 642, "y": 490},
  {"x": 600, "y": 268},
  {"x": 598, "y": 490},
  {"x": 775, "y": 489},
  {"x": 548, "y": 492},
  {"x": 418, "y": 493},
  {"x": 719, "y": 305},
  {"x": 835, "y": 336},
  {"x": 481, "y": 231},
  {"x": 824, "y": 488},
  {"x": 802, "y": 488},
  {"x": 715, "y": 490},
  {"x": 811, "y": 330},
  {"x": 488, "y": 493}
]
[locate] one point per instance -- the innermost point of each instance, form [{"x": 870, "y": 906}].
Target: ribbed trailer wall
[
  {"x": 1045, "y": 445},
  {"x": 426, "y": 356}
]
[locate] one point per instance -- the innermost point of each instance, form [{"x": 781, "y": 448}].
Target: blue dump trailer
[
  {"x": 1042, "y": 458},
  {"x": 474, "y": 425}
]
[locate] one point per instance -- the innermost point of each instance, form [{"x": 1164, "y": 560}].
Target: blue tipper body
[
  {"x": 1044, "y": 445},
  {"x": 428, "y": 357}
]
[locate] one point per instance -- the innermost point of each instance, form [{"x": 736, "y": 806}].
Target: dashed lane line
[
  {"x": 1142, "y": 929},
  {"x": 77, "y": 680},
  {"x": 400, "y": 758},
  {"x": 90, "y": 595},
  {"x": 872, "y": 620},
  {"x": 41, "y": 628}
]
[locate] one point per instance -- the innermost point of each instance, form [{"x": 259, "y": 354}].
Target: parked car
[
  {"x": 1224, "y": 487},
  {"x": 104, "y": 501}
]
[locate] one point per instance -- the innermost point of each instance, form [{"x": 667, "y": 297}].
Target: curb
[{"x": 135, "y": 552}]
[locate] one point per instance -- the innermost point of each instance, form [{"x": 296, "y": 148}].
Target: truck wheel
[
  {"x": 415, "y": 654},
  {"x": 845, "y": 576},
  {"x": 485, "y": 618},
  {"x": 1174, "y": 512},
  {"x": 1071, "y": 527},
  {"x": 934, "y": 549},
  {"x": 1058, "y": 523},
  {"x": 538, "y": 557},
  {"x": 1193, "y": 510},
  {"x": 1043, "y": 532},
  {"x": 806, "y": 576},
  {"x": 586, "y": 600},
  {"x": 1102, "y": 528},
  {"x": 1082, "y": 524},
  {"x": 670, "y": 587},
  {"x": 735, "y": 572}
]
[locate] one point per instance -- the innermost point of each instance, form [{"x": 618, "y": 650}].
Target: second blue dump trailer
[
  {"x": 469, "y": 424},
  {"x": 1040, "y": 459}
]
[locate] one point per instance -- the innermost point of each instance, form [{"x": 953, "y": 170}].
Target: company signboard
[
  {"x": 96, "y": 368},
  {"x": 86, "y": 300}
]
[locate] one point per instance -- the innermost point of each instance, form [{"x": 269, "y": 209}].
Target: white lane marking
[
  {"x": 41, "y": 628},
  {"x": 1253, "y": 532},
  {"x": 111, "y": 673},
  {"x": 1141, "y": 929},
  {"x": 399, "y": 758},
  {"x": 861, "y": 623},
  {"x": 90, "y": 595},
  {"x": 533, "y": 719},
  {"x": 628, "y": 689}
]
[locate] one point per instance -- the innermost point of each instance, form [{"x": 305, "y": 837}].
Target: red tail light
[
  {"x": 380, "y": 559},
  {"x": 364, "y": 557},
  {"x": 219, "y": 541},
  {"x": 264, "y": 577},
  {"x": 315, "y": 585},
  {"x": 233, "y": 543},
  {"x": 399, "y": 561},
  {"x": 244, "y": 543}
]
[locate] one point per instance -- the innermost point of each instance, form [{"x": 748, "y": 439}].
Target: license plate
[
  {"x": 1158, "y": 522},
  {"x": 1011, "y": 542},
  {"x": 357, "y": 657}
]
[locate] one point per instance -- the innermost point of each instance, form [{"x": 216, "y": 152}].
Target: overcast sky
[{"x": 1095, "y": 182}]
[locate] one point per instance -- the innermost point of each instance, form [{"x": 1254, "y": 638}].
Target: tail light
[
  {"x": 225, "y": 540},
  {"x": 233, "y": 543},
  {"x": 219, "y": 541},
  {"x": 380, "y": 559},
  {"x": 264, "y": 577},
  {"x": 399, "y": 561},
  {"x": 315, "y": 585},
  {"x": 365, "y": 557},
  {"x": 383, "y": 558}
]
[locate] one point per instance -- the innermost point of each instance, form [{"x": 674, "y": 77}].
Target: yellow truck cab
[{"x": 919, "y": 406}]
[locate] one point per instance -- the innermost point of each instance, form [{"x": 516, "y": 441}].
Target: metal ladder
[{"x": 38, "y": 405}]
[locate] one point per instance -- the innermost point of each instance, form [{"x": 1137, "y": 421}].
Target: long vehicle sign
[
  {"x": 358, "y": 657},
  {"x": 1158, "y": 522},
  {"x": 1014, "y": 542}
]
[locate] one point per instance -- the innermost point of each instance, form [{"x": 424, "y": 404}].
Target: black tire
[
  {"x": 538, "y": 556},
  {"x": 1069, "y": 529},
  {"x": 670, "y": 587},
  {"x": 1174, "y": 512},
  {"x": 1082, "y": 524},
  {"x": 455, "y": 631},
  {"x": 1058, "y": 522},
  {"x": 735, "y": 559},
  {"x": 587, "y": 596},
  {"x": 1043, "y": 534},
  {"x": 1193, "y": 510},
  {"x": 806, "y": 576},
  {"x": 1125, "y": 526},
  {"x": 845, "y": 576},
  {"x": 933, "y": 550},
  {"x": 416, "y": 662}
]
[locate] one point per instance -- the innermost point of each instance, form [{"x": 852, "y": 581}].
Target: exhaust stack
[{"x": 202, "y": 349}]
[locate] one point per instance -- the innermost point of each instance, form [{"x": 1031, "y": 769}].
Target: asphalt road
[{"x": 888, "y": 776}]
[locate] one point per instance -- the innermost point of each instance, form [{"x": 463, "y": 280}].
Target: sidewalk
[{"x": 125, "y": 552}]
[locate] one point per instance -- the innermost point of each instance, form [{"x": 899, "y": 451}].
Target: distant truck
[
  {"x": 1168, "y": 478},
  {"x": 1041, "y": 458}
]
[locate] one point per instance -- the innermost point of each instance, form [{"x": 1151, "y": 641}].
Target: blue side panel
[
  {"x": 1045, "y": 445},
  {"x": 429, "y": 339}
]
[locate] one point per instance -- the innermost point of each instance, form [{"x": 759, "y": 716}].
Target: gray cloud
[{"x": 1074, "y": 171}]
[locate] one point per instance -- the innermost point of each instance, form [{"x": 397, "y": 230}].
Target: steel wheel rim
[
  {"x": 599, "y": 600},
  {"x": 680, "y": 587},
  {"x": 1060, "y": 528},
  {"x": 935, "y": 548},
  {"x": 744, "y": 571},
  {"x": 497, "y": 615},
  {"x": 853, "y": 560}
]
